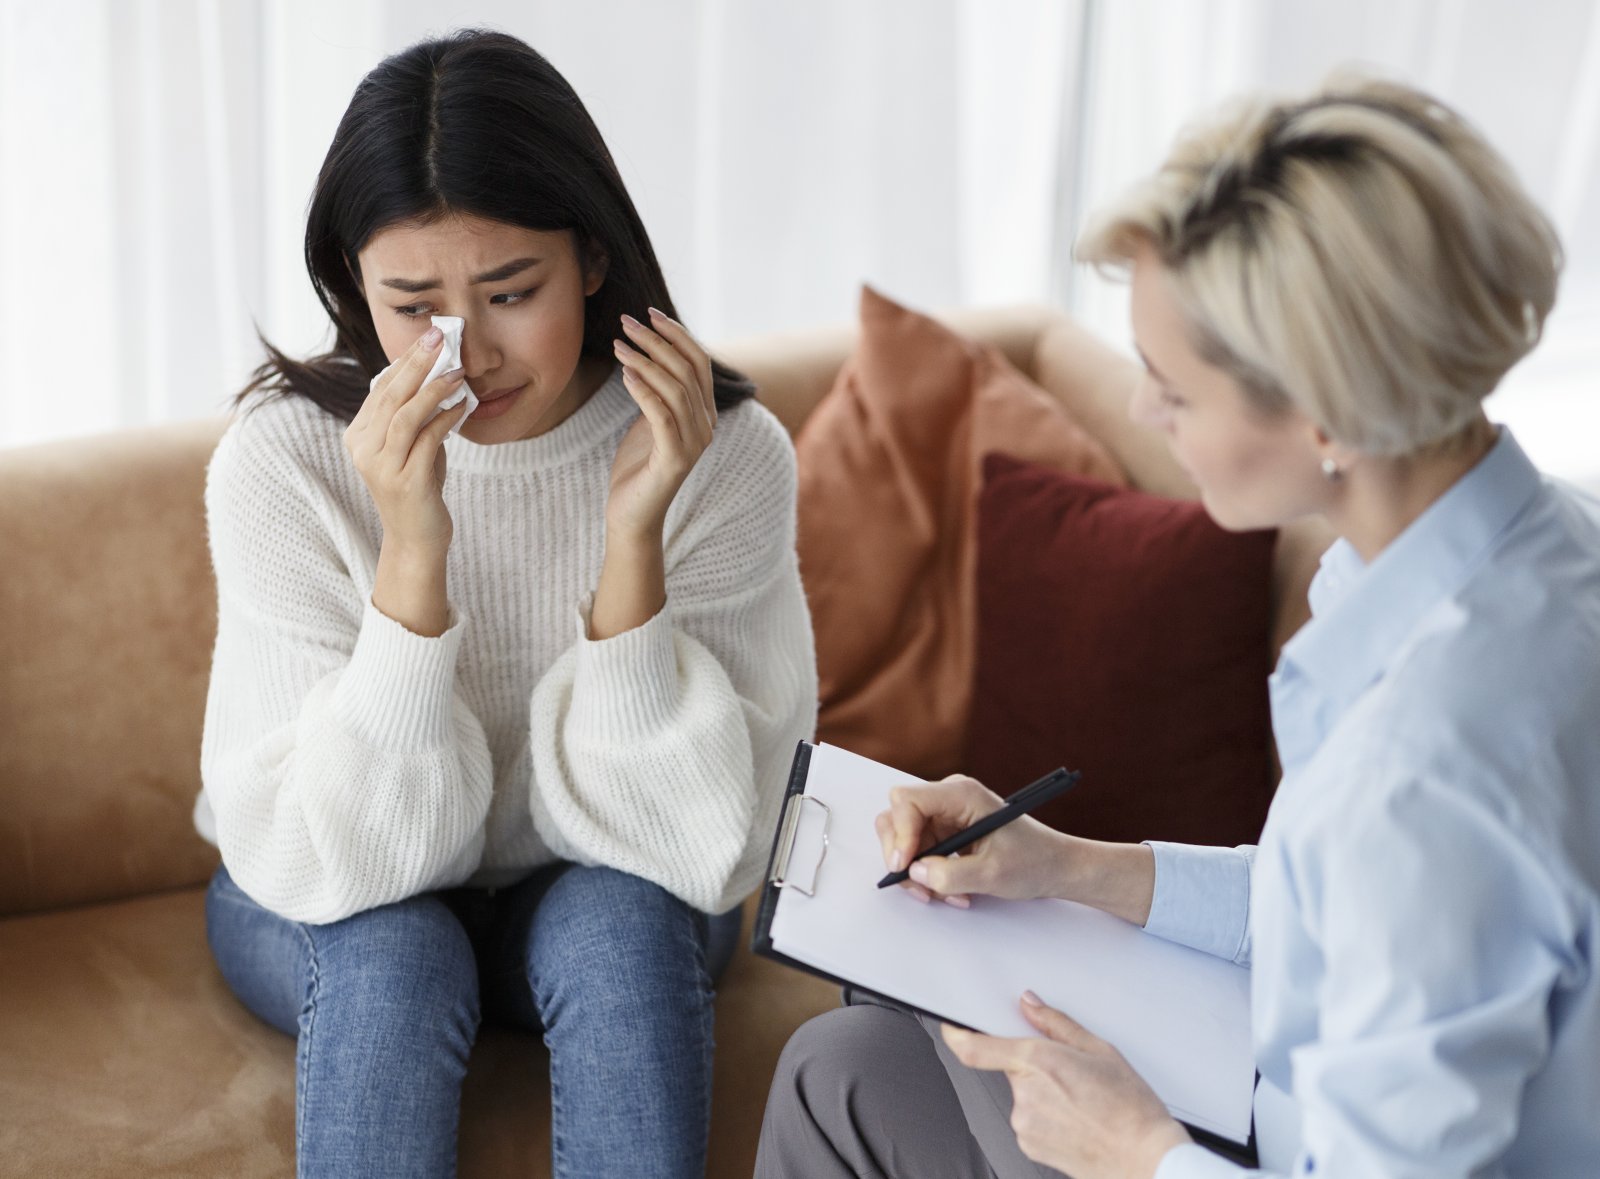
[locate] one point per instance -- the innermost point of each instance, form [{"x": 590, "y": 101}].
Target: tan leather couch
[{"x": 121, "y": 1051}]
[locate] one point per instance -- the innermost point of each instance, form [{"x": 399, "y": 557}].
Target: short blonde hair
[{"x": 1362, "y": 255}]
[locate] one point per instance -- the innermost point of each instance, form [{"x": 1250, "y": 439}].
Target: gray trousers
[{"x": 871, "y": 1092}]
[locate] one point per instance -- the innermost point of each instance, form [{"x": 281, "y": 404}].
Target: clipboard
[{"x": 797, "y": 872}]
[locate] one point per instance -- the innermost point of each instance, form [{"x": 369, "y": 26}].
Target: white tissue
[{"x": 449, "y": 357}]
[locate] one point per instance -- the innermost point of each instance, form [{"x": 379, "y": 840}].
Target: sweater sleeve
[
  {"x": 664, "y": 751},
  {"x": 341, "y": 768}
]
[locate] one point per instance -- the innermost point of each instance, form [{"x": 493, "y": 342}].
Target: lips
[{"x": 497, "y": 402}]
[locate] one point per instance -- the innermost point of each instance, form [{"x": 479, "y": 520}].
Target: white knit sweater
[{"x": 348, "y": 762}]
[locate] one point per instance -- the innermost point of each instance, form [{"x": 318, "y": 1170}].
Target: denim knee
[
  {"x": 616, "y": 938},
  {"x": 411, "y": 959},
  {"x": 616, "y": 970},
  {"x": 391, "y": 1014},
  {"x": 412, "y": 955},
  {"x": 601, "y": 910}
]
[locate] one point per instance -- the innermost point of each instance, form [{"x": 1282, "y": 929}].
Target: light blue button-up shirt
[{"x": 1422, "y": 917}]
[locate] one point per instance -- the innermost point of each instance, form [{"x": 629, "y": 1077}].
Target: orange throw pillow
[{"x": 890, "y": 466}]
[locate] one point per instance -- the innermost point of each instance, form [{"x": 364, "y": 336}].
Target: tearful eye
[{"x": 512, "y": 297}]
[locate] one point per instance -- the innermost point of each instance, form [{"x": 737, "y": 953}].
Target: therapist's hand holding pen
[
  {"x": 1021, "y": 861},
  {"x": 1077, "y": 1105}
]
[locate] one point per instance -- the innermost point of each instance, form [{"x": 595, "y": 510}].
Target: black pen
[{"x": 1052, "y": 785}]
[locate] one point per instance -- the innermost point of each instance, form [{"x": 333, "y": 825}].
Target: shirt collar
[{"x": 1361, "y": 614}]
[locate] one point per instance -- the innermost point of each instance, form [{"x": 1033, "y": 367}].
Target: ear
[
  {"x": 595, "y": 265},
  {"x": 1344, "y": 457}
]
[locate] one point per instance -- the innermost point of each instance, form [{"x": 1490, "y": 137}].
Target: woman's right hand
[
  {"x": 1020, "y": 861},
  {"x": 397, "y": 445}
]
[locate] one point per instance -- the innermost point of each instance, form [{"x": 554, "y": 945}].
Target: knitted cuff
[
  {"x": 626, "y": 687},
  {"x": 397, "y": 690}
]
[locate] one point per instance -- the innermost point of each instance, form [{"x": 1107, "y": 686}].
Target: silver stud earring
[{"x": 1331, "y": 471}]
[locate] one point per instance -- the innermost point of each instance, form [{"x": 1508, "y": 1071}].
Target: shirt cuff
[
  {"x": 1202, "y": 898},
  {"x": 1193, "y": 1161},
  {"x": 396, "y": 692},
  {"x": 626, "y": 687}
]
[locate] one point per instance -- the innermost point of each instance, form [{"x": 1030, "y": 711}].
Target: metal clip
[{"x": 788, "y": 829}]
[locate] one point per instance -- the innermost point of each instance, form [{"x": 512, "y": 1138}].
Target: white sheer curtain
[
  {"x": 131, "y": 211},
  {"x": 156, "y": 157},
  {"x": 1528, "y": 75}
]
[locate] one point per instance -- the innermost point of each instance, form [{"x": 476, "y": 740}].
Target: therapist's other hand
[
  {"x": 1076, "y": 1104},
  {"x": 1020, "y": 861}
]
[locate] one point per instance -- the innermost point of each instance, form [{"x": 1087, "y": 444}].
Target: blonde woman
[{"x": 1324, "y": 292}]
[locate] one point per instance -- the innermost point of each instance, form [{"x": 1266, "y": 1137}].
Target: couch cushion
[
  {"x": 1126, "y": 635},
  {"x": 888, "y": 484},
  {"x": 107, "y": 617},
  {"x": 122, "y": 1052}
]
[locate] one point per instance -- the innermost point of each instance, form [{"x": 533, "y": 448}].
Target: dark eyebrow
[{"x": 415, "y": 286}]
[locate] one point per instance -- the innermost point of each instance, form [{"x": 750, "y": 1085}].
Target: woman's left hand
[
  {"x": 668, "y": 375},
  {"x": 1077, "y": 1106}
]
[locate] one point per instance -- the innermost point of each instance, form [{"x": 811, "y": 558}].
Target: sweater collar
[{"x": 608, "y": 409}]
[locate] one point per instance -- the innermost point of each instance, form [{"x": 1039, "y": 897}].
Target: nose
[{"x": 478, "y": 353}]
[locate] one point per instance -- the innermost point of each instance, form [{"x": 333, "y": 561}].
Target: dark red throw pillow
[{"x": 1128, "y": 636}]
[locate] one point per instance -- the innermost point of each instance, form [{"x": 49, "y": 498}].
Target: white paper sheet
[{"x": 1179, "y": 1016}]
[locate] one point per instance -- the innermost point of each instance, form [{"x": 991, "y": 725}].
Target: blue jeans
[{"x": 613, "y": 970}]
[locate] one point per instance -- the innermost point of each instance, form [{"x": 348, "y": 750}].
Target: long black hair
[{"x": 475, "y": 123}]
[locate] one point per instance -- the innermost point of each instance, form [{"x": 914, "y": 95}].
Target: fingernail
[
  {"x": 1031, "y": 999},
  {"x": 631, "y": 321},
  {"x": 454, "y": 374},
  {"x": 431, "y": 337},
  {"x": 897, "y": 860},
  {"x": 654, "y": 314},
  {"x": 958, "y": 901},
  {"x": 919, "y": 872}
]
